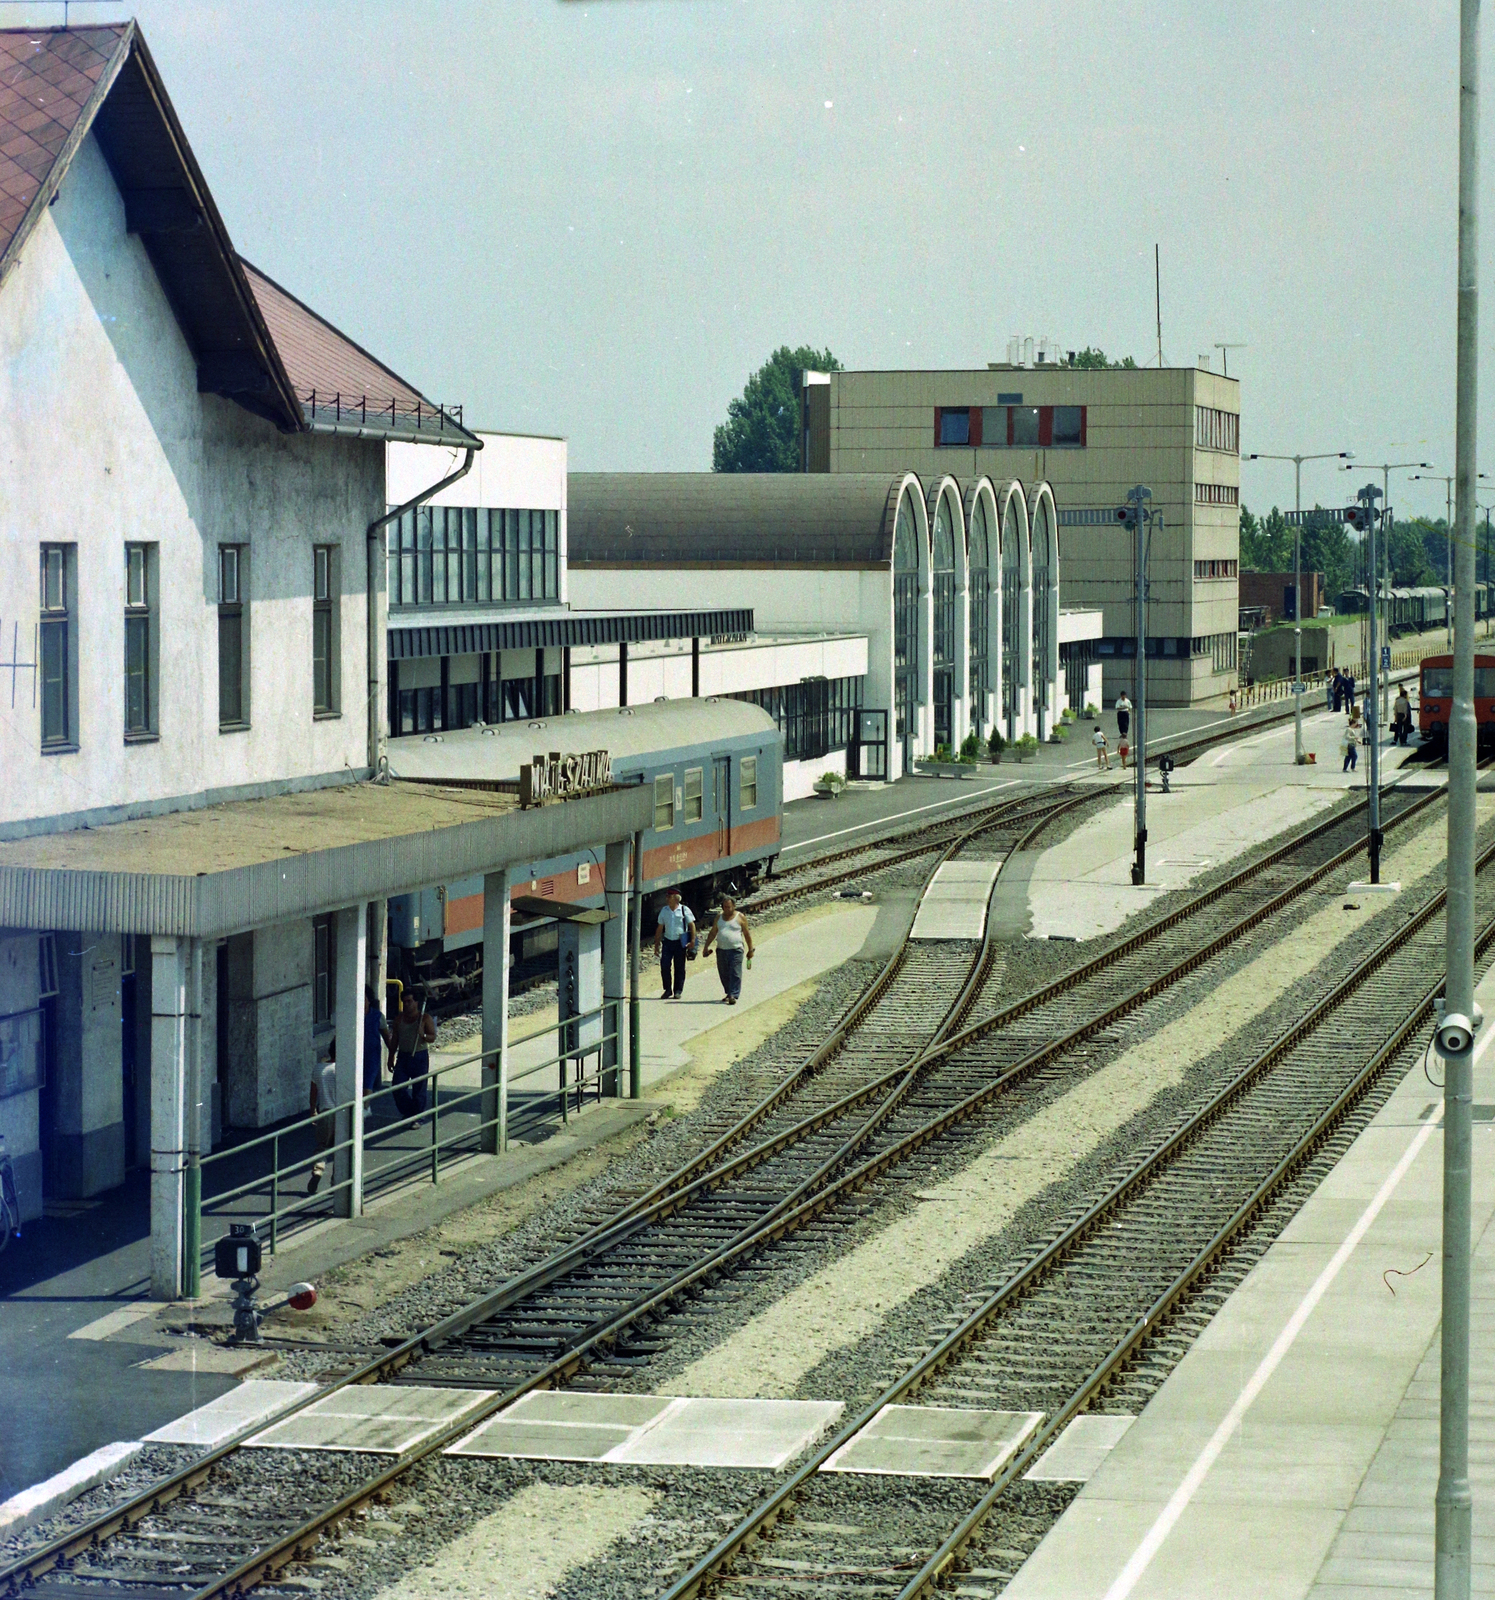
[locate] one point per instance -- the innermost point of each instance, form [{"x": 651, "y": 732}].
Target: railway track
[
  {"x": 592, "y": 1310},
  {"x": 1096, "y": 1319}
]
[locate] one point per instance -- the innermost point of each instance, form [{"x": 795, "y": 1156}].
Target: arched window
[
  {"x": 978, "y": 586},
  {"x": 942, "y": 561},
  {"x": 1042, "y": 588},
  {"x": 906, "y": 627},
  {"x": 1012, "y": 641}
]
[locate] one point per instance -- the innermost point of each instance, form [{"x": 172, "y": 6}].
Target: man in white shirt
[
  {"x": 674, "y": 934},
  {"x": 324, "y": 1108}
]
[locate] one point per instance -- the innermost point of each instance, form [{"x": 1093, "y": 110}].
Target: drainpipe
[{"x": 376, "y": 642}]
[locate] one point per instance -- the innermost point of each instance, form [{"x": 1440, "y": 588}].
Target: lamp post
[
  {"x": 1446, "y": 479},
  {"x": 1385, "y": 468},
  {"x": 1297, "y": 461}
]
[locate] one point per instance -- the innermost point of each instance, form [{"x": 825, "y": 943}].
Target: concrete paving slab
[
  {"x": 256, "y": 1400},
  {"x": 45, "y": 1499},
  {"x": 954, "y": 905},
  {"x": 935, "y": 1442},
  {"x": 562, "y": 1425},
  {"x": 387, "y": 1419},
  {"x": 728, "y": 1433},
  {"x": 202, "y": 1355},
  {"x": 1075, "y": 1456}
]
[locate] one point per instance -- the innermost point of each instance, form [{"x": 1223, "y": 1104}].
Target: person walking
[
  {"x": 1350, "y": 739},
  {"x": 409, "y": 1055},
  {"x": 323, "y": 1106},
  {"x": 1123, "y": 716},
  {"x": 1102, "y": 754},
  {"x": 1401, "y": 716},
  {"x": 377, "y": 1038},
  {"x": 732, "y": 936},
  {"x": 674, "y": 937}
]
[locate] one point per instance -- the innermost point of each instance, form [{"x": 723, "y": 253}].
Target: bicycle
[{"x": 10, "y": 1205}]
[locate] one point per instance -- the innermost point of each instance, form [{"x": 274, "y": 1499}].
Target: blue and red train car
[{"x": 1435, "y": 696}]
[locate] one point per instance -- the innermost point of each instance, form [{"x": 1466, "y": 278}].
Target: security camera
[{"x": 1455, "y": 1034}]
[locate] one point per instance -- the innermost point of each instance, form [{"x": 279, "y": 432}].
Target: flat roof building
[{"x": 1091, "y": 435}]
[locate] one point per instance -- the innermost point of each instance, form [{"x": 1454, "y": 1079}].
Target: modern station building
[
  {"x": 1090, "y": 435},
  {"x": 194, "y": 860},
  {"x": 935, "y": 602}
]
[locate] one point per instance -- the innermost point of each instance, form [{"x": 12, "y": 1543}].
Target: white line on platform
[
  {"x": 1168, "y": 1517},
  {"x": 804, "y": 844},
  {"x": 1229, "y": 750},
  {"x": 42, "y": 1499},
  {"x": 113, "y": 1322}
]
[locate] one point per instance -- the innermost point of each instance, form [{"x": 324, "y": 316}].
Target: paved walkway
[{"x": 1293, "y": 1452}]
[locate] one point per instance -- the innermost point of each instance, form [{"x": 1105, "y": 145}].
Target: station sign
[{"x": 558, "y": 777}]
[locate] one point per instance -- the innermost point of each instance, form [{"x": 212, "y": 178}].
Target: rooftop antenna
[
  {"x": 1157, "y": 280},
  {"x": 1225, "y": 350}
]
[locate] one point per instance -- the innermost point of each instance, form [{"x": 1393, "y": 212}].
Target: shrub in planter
[
  {"x": 970, "y": 747},
  {"x": 943, "y": 752},
  {"x": 833, "y": 780},
  {"x": 996, "y": 744},
  {"x": 1026, "y": 746},
  {"x": 1091, "y": 712}
]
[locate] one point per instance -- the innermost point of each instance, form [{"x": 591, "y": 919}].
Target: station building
[
  {"x": 1090, "y": 435},
  {"x": 194, "y": 850},
  {"x": 948, "y": 589}
]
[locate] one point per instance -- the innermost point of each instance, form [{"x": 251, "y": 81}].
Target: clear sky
[{"x": 596, "y": 217}]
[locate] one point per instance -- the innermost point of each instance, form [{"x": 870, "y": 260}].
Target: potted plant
[
  {"x": 831, "y": 783},
  {"x": 1026, "y": 746},
  {"x": 1091, "y": 714},
  {"x": 970, "y": 750},
  {"x": 996, "y": 745}
]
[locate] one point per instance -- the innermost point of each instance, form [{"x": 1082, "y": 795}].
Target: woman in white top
[{"x": 732, "y": 937}]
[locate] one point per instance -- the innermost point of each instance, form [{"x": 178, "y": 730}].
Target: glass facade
[
  {"x": 943, "y": 576},
  {"x": 467, "y": 555},
  {"x": 978, "y": 585},
  {"x": 1042, "y": 582},
  {"x": 1012, "y": 643},
  {"x": 815, "y": 716},
  {"x": 906, "y": 628}
]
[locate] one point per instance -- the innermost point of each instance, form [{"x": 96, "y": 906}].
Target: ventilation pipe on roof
[{"x": 376, "y": 644}]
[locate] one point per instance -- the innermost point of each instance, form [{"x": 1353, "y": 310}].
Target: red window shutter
[
  {"x": 1082, "y": 426},
  {"x": 1045, "y": 427},
  {"x": 975, "y": 425},
  {"x": 939, "y": 412}
]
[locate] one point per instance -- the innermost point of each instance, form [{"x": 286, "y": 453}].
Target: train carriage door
[{"x": 721, "y": 794}]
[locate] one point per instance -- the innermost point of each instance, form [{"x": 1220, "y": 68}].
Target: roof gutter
[
  {"x": 392, "y": 435},
  {"x": 378, "y": 764}
]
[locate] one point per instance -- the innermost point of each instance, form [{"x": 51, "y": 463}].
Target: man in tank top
[{"x": 733, "y": 939}]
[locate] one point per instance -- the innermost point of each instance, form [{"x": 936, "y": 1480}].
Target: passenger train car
[
  {"x": 1412, "y": 610},
  {"x": 716, "y": 768},
  {"x": 1435, "y": 697}
]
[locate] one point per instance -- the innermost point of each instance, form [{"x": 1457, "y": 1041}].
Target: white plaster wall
[{"x": 104, "y": 439}]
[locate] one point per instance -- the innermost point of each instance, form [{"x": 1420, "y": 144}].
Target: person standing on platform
[
  {"x": 377, "y": 1038},
  {"x": 674, "y": 936},
  {"x": 1102, "y": 754},
  {"x": 1123, "y": 717},
  {"x": 1349, "y": 690},
  {"x": 323, "y": 1106},
  {"x": 1401, "y": 716},
  {"x": 1334, "y": 690},
  {"x": 1350, "y": 739},
  {"x": 409, "y": 1055},
  {"x": 731, "y": 935}
]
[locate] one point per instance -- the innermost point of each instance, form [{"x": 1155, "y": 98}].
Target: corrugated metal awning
[{"x": 409, "y": 641}]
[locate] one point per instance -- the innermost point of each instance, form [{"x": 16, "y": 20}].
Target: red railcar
[{"x": 1435, "y": 696}]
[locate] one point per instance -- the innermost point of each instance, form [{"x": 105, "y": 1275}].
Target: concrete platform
[
  {"x": 954, "y": 906},
  {"x": 1293, "y": 1452}
]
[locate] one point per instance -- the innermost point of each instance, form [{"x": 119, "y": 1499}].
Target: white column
[
  {"x": 615, "y": 962},
  {"x": 495, "y": 1101},
  {"x": 350, "y": 938},
  {"x": 168, "y": 1113}
]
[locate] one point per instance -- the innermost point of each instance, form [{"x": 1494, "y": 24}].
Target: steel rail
[
  {"x": 717, "y": 1561},
  {"x": 661, "y": 1201}
]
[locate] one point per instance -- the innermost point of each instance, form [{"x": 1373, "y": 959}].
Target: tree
[
  {"x": 1266, "y": 542},
  {"x": 1092, "y": 360},
  {"x": 761, "y": 433},
  {"x": 1267, "y": 546}
]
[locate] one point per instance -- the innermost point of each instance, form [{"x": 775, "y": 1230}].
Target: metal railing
[
  {"x": 431, "y": 1124},
  {"x": 1268, "y": 689}
]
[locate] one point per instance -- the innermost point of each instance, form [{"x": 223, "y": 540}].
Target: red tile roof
[{"x": 47, "y": 77}]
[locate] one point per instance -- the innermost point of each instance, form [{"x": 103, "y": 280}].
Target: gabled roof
[{"x": 57, "y": 85}]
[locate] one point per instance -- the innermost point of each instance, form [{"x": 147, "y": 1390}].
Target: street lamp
[
  {"x": 1297, "y": 461},
  {"x": 1385, "y": 468},
  {"x": 1446, "y": 479}
]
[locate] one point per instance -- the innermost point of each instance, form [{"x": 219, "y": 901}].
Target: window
[
  {"x": 233, "y": 636},
  {"x": 323, "y": 996},
  {"x": 1069, "y": 427},
  {"x": 954, "y": 425},
  {"x": 56, "y": 647},
  {"x": 664, "y": 800},
  {"x": 140, "y": 643},
  {"x": 747, "y": 793},
  {"x": 1216, "y": 494},
  {"x": 324, "y": 663},
  {"x": 1216, "y": 569},
  {"x": 1217, "y": 430},
  {"x": 1022, "y": 425},
  {"x": 815, "y": 716},
  {"x": 693, "y": 805},
  {"x": 471, "y": 555}
]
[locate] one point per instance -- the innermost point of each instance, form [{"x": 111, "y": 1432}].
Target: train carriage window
[
  {"x": 693, "y": 807},
  {"x": 664, "y": 800},
  {"x": 1437, "y": 681},
  {"x": 748, "y": 791},
  {"x": 1484, "y": 683}
]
